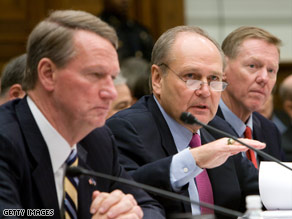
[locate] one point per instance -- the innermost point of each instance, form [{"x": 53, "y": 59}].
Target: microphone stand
[{"x": 78, "y": 171}]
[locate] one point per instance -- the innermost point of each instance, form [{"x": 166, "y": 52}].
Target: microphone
[
  {"x": 188, "y": 118},
  {"x": 78, "y": 171}
]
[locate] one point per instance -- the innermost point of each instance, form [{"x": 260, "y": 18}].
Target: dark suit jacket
[
  {"x": 263, "y": 130},
  {"x": 147, "y": 146},
  {"x": 287, "y": 143},
  {"x": 26, "y": 175}
]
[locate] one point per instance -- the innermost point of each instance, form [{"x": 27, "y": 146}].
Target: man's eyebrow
[{"x": 217, "y": 73}]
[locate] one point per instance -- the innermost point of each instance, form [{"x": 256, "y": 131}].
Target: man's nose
[
  {"x": 263, "y": 76},
  {"x": 109, "y": 90},
  {"x": 204, "y": 89}
]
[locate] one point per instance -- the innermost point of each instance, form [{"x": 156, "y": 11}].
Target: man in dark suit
[
  {"x": 252, "y": 62},
  {"x": 186, "y": 75},
  {"x": 71, "y": 63}
]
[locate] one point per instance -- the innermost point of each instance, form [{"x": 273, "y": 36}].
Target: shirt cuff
[{"x": 183, "y": 168}]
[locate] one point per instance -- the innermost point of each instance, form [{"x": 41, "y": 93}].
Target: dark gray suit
[
  {"x": 26, "y": 175},
  {"x": 147, "y": 146},
  {"x": 263, "y": 130}
]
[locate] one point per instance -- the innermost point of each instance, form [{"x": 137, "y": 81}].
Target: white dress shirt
[{"x": 58, "y": 147}]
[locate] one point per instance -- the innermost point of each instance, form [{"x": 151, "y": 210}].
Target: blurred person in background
[
  {"x": 285, "y": 91},
  {"x": 267, "y": 110},
  {"x": 134, "y": 39},
  {"x": 11, "y": 79},
  {"x": 136, "y": 71},
  {"x": 124, "y": 98}
]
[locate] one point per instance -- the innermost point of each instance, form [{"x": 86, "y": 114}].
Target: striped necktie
[
  {"x": 250, "y": 153},
  {"x": 203, "y": 182},
  {"x": 70, "y": 188}
]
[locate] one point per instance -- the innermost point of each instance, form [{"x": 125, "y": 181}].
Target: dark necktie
[
  {"x": 250, "y": 153},
  {"x": 202, "y": 180},
  {"x": 70, "y": 188}
]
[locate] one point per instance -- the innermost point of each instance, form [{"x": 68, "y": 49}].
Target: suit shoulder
[
  {"x": 139, "y": 111},
  {"x": 265, "y": 123},
  {"x": 102, "y": 134},
  {"x": 9, "y": 124}
]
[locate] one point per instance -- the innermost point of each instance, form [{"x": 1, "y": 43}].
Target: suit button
[{"x": 186, "y": 170}]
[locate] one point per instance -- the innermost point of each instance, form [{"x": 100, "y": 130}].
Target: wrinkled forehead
[{"x": 253, "y": 42}]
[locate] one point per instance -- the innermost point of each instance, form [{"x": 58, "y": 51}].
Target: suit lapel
[
  {"x": 166, "y": 139},
  {"x": 38, "y": 154},
  {"x": 206, "y": 137},
  {"x": 166, "y": 136},
  {"x": 219, "y": 122},
  {"x": 86, "y": 185},
  {"x": 219, "y": 113},
  {"x": 257, "y": 134}
]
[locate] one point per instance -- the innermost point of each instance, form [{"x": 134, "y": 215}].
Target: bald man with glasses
[{"x": 157, "y": 148}]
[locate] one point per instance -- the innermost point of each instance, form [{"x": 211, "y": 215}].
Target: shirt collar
[
  {"x": 58, "y": 147},
  {"x": 237, "y": 124},
  {"x": 181, "y": 135}
]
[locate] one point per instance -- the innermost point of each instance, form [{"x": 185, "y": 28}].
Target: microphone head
[
  {"x": 188, "y": 118},
  {"x": 74, "y": 171}
]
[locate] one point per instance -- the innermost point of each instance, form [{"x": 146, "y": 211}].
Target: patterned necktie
[
  {"x": 250, "y": 153},
  {"x": 70, "y": 188},
  {"x": 203, "y": 182}
]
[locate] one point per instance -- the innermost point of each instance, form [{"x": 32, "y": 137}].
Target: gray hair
[
  {"x": 13, "y": 73},
  {"x": 285, "y": 89},
  {"x": 120, "y": 79},
  {"x": 53, "y": 38},
  {"x": 136, "y": 70}
]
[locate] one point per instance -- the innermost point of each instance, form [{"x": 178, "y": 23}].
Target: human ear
[
  {"x": 46, "y": 73},
  {"x": 15, "y": 91},
  {"x": 156, "y": 78}
]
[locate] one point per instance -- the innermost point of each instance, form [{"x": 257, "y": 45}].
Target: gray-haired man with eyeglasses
[{"x": 156, "y": 147}]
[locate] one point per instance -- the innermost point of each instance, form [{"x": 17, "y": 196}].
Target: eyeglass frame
[{"x": 224, "y": 84}]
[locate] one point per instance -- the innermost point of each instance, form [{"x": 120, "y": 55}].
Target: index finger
[
  {"x": 253, "y": 143},
  {"x": 234, "y": 149}
]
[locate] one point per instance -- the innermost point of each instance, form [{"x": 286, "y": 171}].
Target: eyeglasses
[{"x": 196, "y": 84}]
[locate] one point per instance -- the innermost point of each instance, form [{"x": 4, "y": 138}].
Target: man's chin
[
  {"x": 100, "y": 124},
  {"x": 195, "y": 127},
  {"x": 255, "y": 106},
  {"x": 99, "y": 121},
  {"x": 204, "y": 119}
]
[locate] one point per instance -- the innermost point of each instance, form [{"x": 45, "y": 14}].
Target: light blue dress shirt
[
  {"x": 237, "y": 124},
  {"x": 183, "y": 168}
]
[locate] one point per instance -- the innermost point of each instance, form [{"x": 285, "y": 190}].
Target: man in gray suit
[
  {"x": 187, "y": 75},
  {"x": 72, "y": 61}
]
